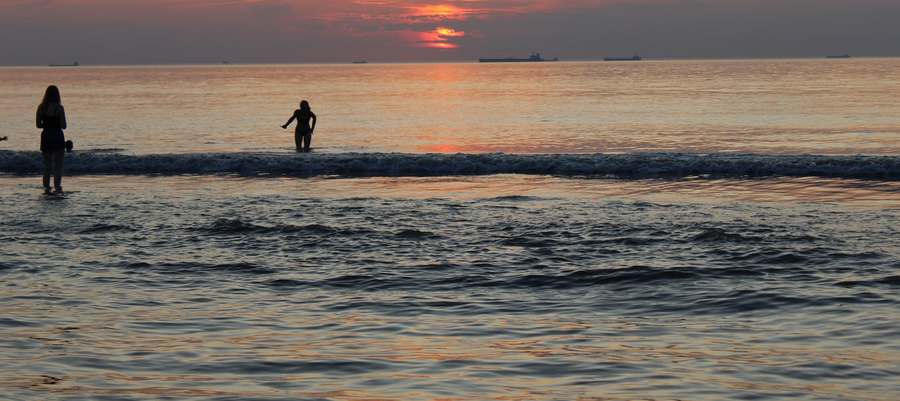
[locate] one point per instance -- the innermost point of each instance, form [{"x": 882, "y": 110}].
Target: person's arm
[
  {"x": 37, "y": 118},
  {"x": 313, "y": 128},
  {"x": 294, "y": 116},
  {"x": 62, "y": 117}
]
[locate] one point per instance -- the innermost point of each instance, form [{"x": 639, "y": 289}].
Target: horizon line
[{"x": 456, "y": 61}]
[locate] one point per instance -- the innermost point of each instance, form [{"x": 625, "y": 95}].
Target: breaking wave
[{"x": 635, "y": 165}]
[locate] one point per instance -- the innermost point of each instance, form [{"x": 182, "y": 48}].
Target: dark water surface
[{"x": 494, "y": 288}]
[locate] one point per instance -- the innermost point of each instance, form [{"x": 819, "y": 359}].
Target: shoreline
[{"x": 520, "y": 189}]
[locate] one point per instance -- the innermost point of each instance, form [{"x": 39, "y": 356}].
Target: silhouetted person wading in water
[
  {"x": 303, "y": 132},
  {"x": 51, "y": 117}
]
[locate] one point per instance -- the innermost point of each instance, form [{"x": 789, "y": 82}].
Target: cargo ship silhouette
[
  {"x": 533, "y": 58},
  {"x": 632, "y": 58}
]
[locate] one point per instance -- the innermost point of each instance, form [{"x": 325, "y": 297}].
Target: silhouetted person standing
[
  {"x": 303, "y": 132},
  {"x": 51, "y": 117}
]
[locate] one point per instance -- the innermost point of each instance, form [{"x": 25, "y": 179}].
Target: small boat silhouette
[{"x": 75, "y": 64}]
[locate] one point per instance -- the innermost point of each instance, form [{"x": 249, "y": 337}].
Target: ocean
[{"x": 657, "y": 230}]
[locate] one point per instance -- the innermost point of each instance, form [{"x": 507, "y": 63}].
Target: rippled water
[
  {"x": 500, "y": 287},
  {"x": 672, "y": 230}
]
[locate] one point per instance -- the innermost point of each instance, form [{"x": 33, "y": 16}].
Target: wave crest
[{"x": 635, "y": 165}]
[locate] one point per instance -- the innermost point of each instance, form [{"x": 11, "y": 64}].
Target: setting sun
[
  {"x": 441, "y": 45},
  {"x": 439, "y": 38},
  {"x": 449, "y": 32}
]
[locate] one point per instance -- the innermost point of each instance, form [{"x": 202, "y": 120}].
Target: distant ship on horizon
[
  {"x": 360, "y": 62},
  {"x": 533, "y": 58},
  {"x": 632, "y": 58},
  {"x": 839, "y": 56},
  {"x": 75, "y": 64}
]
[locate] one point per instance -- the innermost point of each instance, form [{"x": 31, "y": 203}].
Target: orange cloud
[
  {"x": 405, "y": 18},
  {"x": 448, "y": 11},
  {"x": 404, "y": 23}
]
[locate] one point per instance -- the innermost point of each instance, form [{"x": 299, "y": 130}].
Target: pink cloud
[{"x": 404, "y": 23}]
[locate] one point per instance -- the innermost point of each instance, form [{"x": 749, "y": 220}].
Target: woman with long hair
[
  {"x": 303, "y": 132},
  {"x": 51, "y": 118}
]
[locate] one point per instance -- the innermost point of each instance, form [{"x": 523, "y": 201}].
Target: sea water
[
  {"x": 758, "y": 106},
  {"x": 690, "y": 230}
]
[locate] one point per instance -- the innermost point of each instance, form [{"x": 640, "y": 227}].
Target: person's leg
[
  {"x": 48, "y": 160},
  {"x": 307, "y": 140},
  {"x": 298, "y": 140},
  {"x": 57, "y": 169}
]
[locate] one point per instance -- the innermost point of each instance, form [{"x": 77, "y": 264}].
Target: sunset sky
[{"x": 175, "y": 31}]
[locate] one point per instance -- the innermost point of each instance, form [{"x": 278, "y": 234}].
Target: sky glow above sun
[
  {"x": 410, "y": 23},
  {"x": 447, "y": 11},
  {"x": 443, "y": 37},
  {"x": 163, "y": 31}
]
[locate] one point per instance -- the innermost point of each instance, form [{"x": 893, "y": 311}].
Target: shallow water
[
  {"x": 446, "y": 288},
  {"x": 756, "y": 106}
]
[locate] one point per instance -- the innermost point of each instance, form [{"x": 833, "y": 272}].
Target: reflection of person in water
[
  {"x": 51, "y": 118},
  {"x": 303, "y": 132}
]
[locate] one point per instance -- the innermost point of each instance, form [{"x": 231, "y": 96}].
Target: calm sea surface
[
  {"x": 784, "y": 106},
  {"x": 196, "y": 257}
]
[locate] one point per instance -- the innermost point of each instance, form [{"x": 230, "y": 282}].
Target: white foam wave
[{"x": 637, "y": 165}]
